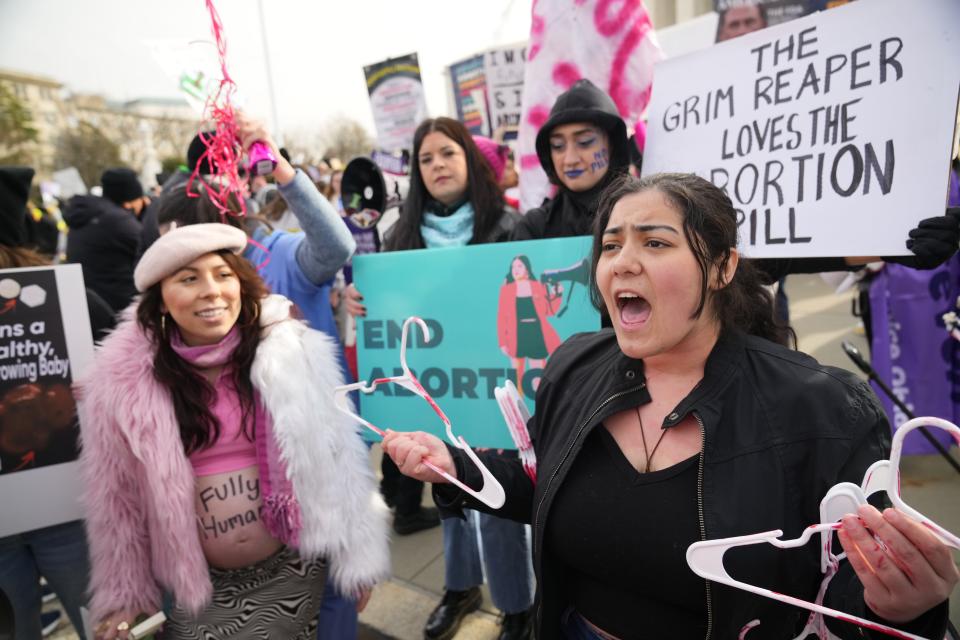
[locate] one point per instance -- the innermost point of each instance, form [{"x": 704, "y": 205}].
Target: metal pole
[{"x": 275, "y": 128}]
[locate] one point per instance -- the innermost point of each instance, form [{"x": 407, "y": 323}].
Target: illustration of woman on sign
[{"x": 522, "y": 326}]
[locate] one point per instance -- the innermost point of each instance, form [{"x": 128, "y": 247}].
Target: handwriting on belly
[
  {"x": 212, "y": 527},
  {"x": 236, "y": 486}
]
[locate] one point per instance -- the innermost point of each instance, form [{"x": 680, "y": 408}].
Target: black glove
[{"x": 933, "y": 242}]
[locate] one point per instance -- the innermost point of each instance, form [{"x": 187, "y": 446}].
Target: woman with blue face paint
[{"x": 583, "y": 146}]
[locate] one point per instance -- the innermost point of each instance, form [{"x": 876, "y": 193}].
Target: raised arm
[{"x": 328, "y": 243}]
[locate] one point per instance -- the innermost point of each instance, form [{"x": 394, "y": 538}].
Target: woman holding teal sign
[
  {"x": 691, "y": 420},
  {"x": 454, "y": 201}
]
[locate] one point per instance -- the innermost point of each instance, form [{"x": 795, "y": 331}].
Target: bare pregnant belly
[{"x": 232, "y": 533}]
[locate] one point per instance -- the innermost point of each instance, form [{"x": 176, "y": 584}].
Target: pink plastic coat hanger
[
  {"x": 705, "y": 558},
  {"x": 491, "y": 493},
  {"x": 516, "y": 415}
]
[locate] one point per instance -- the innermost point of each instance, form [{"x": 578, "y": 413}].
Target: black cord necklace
[{"x": 648, "y": 454}]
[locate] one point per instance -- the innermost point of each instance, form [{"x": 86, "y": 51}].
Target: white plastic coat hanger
[
  {"x": 516, "y": 415},
  {"x": 705, "y": 558},
  {"x": 884, "y": 475},
  {"x": 491, "y": 493}
]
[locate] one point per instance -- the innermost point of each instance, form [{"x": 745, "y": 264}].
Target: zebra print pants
[{"x": 277, "y": 598}]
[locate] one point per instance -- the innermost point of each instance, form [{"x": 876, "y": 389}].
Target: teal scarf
[{"x": 454, "y": 230}]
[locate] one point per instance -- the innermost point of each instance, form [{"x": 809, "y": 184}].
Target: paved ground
[{"x": 400, "y": 607}]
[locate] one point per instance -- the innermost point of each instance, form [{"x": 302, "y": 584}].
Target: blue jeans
[
  {"x": 59, "y": 554},
  {"x": 506, "y": 557},
  {"x": 338, "y": 615}
]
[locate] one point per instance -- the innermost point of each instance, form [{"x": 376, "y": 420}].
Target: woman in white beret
[{"x": 217, "y": 469}]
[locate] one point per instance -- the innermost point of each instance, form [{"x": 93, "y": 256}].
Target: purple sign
[{"x": 912, "y": 352}]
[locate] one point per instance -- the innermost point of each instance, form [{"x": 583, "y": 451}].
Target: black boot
[
  {"x": 516, "y": 626},
  {"x": 453, "y": 608},
  {"x": 423, "y": 518}
]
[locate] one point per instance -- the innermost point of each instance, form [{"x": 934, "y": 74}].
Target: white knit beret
[{"x": 181, "y": 246}]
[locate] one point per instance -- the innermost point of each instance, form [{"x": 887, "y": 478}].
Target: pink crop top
[{"x": 233, "y": 450}]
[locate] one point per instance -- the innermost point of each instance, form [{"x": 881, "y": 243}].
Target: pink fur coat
[{"x": 139, "y": 484}]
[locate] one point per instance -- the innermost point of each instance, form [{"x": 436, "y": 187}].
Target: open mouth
[{"x": 634, "y": 309}]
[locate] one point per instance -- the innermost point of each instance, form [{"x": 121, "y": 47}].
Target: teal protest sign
[{"x": 495, "y": 312}]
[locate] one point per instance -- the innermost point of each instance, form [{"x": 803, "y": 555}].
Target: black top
[{"x": 623, "y": 536}]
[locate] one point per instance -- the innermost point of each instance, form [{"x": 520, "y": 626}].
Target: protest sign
[
  {"x": 45, "y": 343},
  {"x": 70, "y": 182},
  {"x": 737, "y": 17},
  {"x": 396, "y": 97},
  {"x": 504, "y": 70},
  {"x": 484, "y": 329},
  {"x": 470, "y": 95},
  {"x": 609, "y": 42},
  {"x": 830, "y": 133}
]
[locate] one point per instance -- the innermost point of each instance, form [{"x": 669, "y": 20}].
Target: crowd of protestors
[{"x": 219, "y": 348}]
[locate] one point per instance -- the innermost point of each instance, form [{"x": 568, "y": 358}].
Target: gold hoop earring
[
  {"x": 252, "y": 321},
  {"x": 163, "y": 324}
]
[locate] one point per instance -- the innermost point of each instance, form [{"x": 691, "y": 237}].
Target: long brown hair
[
  {"x": 15, "y": 257},
  {"x": 483, "y": 192},
  {"x": 710, "y": 228},
  {"x": 191, "y": 393}
]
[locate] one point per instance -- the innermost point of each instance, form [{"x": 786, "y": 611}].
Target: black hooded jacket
[
  {"x": 571, "y": 213},
  {"x": 103, "y": 239}
]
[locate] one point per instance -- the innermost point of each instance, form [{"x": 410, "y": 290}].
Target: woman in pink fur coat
[{"x": 216, "y": 466}]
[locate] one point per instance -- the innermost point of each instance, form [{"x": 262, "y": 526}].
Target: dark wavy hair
[
  {"x": 482, "y": 189},
  {"x": 526, "y": 262},
  {"x": 191, "y": 204},
  {"x": 710, "y": 227},
  {"x": 191, "y": 393}
]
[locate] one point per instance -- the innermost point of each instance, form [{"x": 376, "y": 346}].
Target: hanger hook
[{"x": 424, "y": 330}]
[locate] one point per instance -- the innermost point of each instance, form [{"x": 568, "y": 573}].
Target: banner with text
[
  {"x": 737, "y": 17},
  {"x": 45, "y": 342},
  {"x": 830, "y": 133},
  {"x": 504, "y": 70},
  {"x": 396, "y": 97},
  {"x": 495, "y": 312},
  {"x": 470, "y": 95}
]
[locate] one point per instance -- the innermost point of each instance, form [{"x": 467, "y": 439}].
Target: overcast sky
[{"x": 317, "y": 47}]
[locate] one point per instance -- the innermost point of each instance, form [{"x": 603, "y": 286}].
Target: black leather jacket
[{"x": 779, "y": 430}]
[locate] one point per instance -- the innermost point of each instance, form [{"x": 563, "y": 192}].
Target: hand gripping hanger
[
  {"x": 516, "y": 415},
  {"x": 884, "y": 475},
  {"x": 705, "y": 558},
  {"x": 491, "y": 493}
]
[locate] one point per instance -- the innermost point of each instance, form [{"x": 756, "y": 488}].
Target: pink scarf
[{"x": 281, "y": 511}]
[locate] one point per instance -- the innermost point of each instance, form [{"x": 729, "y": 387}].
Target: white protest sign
[
  {"x": 71, "y": 184},
  {"x": 504, "y": 72},
  {"x": 831, "y": 133},
  {"x": 45, "y": 344}
]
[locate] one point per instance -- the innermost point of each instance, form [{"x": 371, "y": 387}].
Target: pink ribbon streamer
[{"x": 222, "y": 151}]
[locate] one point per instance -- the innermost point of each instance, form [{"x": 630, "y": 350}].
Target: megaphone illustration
[
  {"x": 367, "y": 193},
  {"x": 578, "y": 272}
]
